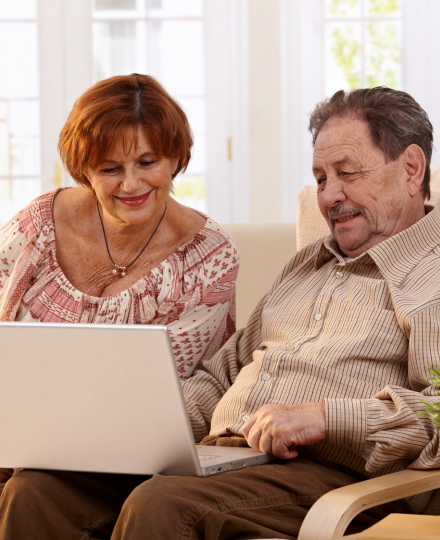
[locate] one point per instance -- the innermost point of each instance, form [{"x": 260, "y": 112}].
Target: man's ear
[{"x": 415, "y": 165}]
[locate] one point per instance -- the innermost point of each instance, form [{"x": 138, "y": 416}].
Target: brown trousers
[{"x": 266, "y": 501}]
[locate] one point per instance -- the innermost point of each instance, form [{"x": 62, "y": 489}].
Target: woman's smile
[{"x": 136, "y": 200}]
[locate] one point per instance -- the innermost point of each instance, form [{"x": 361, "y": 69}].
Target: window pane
[
  {"x": 19, "y": 107},
  {"x": 114, "y": 47},
  {"x": 195, "y": 111},
  {"x": 383, "y": 54},
  {"x": 23, "y": 137},
  {"x": 343, "y": 57},
  {"x": 384, "y": 8},
  {"x": 343, "y": 8},
  {"x": 4, "y": 151},
  {"x": 197, "y": 165},
  {"x": 176, "y": 56},
  {"x": 16, "y": 194},
  {"x": 156, "y": 37},
  {"x": 190, "y": 190},
  {"x": 5, "y": 196},
  {"x": 24, "y": 118},
  {"x": 175, "y": 8},
  {"x": 25, "y": 156},
  {"x": 18, "y": 9},
  {"x": 18, "y": 60},
  {"x": 115, "y": 4}
]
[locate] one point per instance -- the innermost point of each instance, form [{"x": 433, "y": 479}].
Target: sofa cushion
[{"x": 264, "y": 249}]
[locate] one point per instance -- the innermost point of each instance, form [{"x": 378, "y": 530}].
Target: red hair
[{"x": 112, "y": 110}]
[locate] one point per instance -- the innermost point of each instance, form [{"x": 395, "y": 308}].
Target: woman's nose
[{"x": 132, "y": 181}]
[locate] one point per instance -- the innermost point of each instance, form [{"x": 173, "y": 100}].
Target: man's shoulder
[{"x": 419, "y": 291}]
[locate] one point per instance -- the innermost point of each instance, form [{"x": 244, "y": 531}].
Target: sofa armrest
[{"x": 332, "y": 513}]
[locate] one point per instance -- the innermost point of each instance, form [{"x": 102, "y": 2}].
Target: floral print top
[{"x": 192, "y": 291}]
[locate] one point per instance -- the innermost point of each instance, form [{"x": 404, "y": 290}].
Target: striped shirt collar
[{"x": 396, "y": 256}]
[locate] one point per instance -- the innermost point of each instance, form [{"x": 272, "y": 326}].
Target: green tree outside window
[{"x": 374, "y": 59}]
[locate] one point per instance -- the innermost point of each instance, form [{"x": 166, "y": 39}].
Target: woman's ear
[
  {"x": 85, "y": 173},
  {"x": 174, "y": 165},
  {"x": 415, "y": 165}
]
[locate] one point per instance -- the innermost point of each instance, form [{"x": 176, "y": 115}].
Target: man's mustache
[{"x": 336, "y": 211}]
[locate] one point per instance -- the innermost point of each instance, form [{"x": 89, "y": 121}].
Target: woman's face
[{"x": 132, "y": 188}]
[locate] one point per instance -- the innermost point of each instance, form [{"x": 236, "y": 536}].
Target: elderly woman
[
  {"x": 119, "y": 249},
  {"x": 116, "y": 250}
]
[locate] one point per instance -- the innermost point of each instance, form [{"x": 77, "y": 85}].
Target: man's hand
[{"x": 278, "y": 429}]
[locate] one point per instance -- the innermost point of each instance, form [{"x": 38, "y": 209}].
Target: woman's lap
[{"x": 61, "y": 505}]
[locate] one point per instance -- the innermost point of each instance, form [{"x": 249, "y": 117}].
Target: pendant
[
  {"x": 122, "y": 273},
  {"x": 115, "y": 271}
]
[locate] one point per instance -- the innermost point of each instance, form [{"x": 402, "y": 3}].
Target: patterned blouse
[{"x": 192, "y": 291}]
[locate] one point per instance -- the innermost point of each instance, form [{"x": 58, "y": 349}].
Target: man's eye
[{"x": 321, "y": 180}]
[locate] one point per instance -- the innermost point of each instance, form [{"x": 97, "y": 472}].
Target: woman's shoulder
[
  {"x": 37, "y": 213},
  {"x": 214, "y": 228},
  {"x": 197, "y": 235},
  {"x": 50, "y": 208},
  {"x": 210, "y": 254},
  {"x": 220, "y": 240},
  {"x": 211, "y": 238}
]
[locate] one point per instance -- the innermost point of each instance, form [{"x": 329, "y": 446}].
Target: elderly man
[{"x": 329, "y": 372}]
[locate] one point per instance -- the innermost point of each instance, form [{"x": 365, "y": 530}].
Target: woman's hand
[{"x": 278, "y": 429}]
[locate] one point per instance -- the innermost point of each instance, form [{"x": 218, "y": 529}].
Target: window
[
  {"x": 163, "y": 38},
  {"x": 19, "y": 107},
  {"x": 362, "y": 44}
]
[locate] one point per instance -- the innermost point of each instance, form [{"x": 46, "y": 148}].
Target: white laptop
[{"x": 100, "y": 398}]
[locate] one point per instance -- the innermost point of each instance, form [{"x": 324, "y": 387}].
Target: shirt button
[
  {"x": 318, "y": 317},
  {"x": 266, "y": 376},
  {"x": 339, "y": 275},
  {"x": 245, "y": 417}
]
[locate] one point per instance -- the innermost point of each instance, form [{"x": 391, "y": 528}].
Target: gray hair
[{"x": 395, "y": 119}]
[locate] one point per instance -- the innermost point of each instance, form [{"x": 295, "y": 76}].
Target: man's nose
[{"x": 333, "y": 192}]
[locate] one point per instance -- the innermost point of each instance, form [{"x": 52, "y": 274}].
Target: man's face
[{"x": 364, "y": 199}]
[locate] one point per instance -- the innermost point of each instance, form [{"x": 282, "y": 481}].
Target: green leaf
[{"x": 432, "y": 409}]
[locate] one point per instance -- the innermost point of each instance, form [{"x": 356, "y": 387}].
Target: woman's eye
[
  {"x": 147, "y": 163},
  {"x": 109, "y": 171}
]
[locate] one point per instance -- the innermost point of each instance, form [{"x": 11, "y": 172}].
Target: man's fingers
[
  {"x": 289, "y": 453},
  {"x": 248, "y": 425},
  {"x": 280, "y": 450},
  {"x": 253, "y": 438},
  {"x": 266, "y": 443},
  {"x": 279, "y": 428}
]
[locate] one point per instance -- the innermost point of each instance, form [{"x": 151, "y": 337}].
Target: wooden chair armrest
[{"x": 332, "y": 513}]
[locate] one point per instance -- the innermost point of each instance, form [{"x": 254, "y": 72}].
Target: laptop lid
[{"x": 101, "y": 398}]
